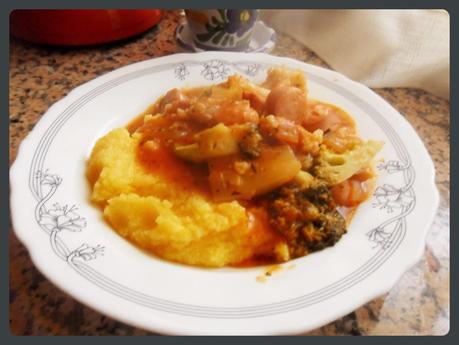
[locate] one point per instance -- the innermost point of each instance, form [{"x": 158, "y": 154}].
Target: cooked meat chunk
[
  {"x": 173, "y": 100},
  {"x": 250, "y": 144},
  {"x": 286, "y": 131},
  {"x": 211, "y": 111},
  {"x": 306, "y": 217},
  {"x": 288, "y": 102}
]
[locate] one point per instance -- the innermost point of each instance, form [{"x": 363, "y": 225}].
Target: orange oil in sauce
[{"x": 194, "y": 177}]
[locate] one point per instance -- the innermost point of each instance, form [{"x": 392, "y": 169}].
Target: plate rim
[{"x": 22, "y": 156}]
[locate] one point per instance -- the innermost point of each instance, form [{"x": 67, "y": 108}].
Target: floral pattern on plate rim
[{"x": 58, "y": 219}]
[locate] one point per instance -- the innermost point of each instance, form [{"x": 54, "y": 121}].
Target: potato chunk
[{"x": 274, "y": 167}]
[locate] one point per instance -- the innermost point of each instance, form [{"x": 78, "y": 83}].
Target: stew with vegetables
[{"x": 296, "y": 166}]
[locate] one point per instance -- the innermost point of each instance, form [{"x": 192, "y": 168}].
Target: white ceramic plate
[{"x": 72, "y": 245}]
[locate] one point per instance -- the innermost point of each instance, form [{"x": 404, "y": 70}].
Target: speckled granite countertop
[{"x": 418, "y": 304}]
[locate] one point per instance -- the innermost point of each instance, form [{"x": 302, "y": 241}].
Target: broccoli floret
[
  {"x": 306, "y": 217},
  {"x": 334, "y": 167},
  {"x": 250, "y": 144}
]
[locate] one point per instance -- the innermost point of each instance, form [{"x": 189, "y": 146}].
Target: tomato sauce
[
  {"x": 162, "y": 162},
  {"x": 155, "y": 156}
]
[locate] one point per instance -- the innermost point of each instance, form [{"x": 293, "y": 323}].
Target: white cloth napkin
[{"x": 379, "y": 48}]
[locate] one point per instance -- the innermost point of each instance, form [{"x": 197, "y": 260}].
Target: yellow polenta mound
[{"x": 175, "y": 224}]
